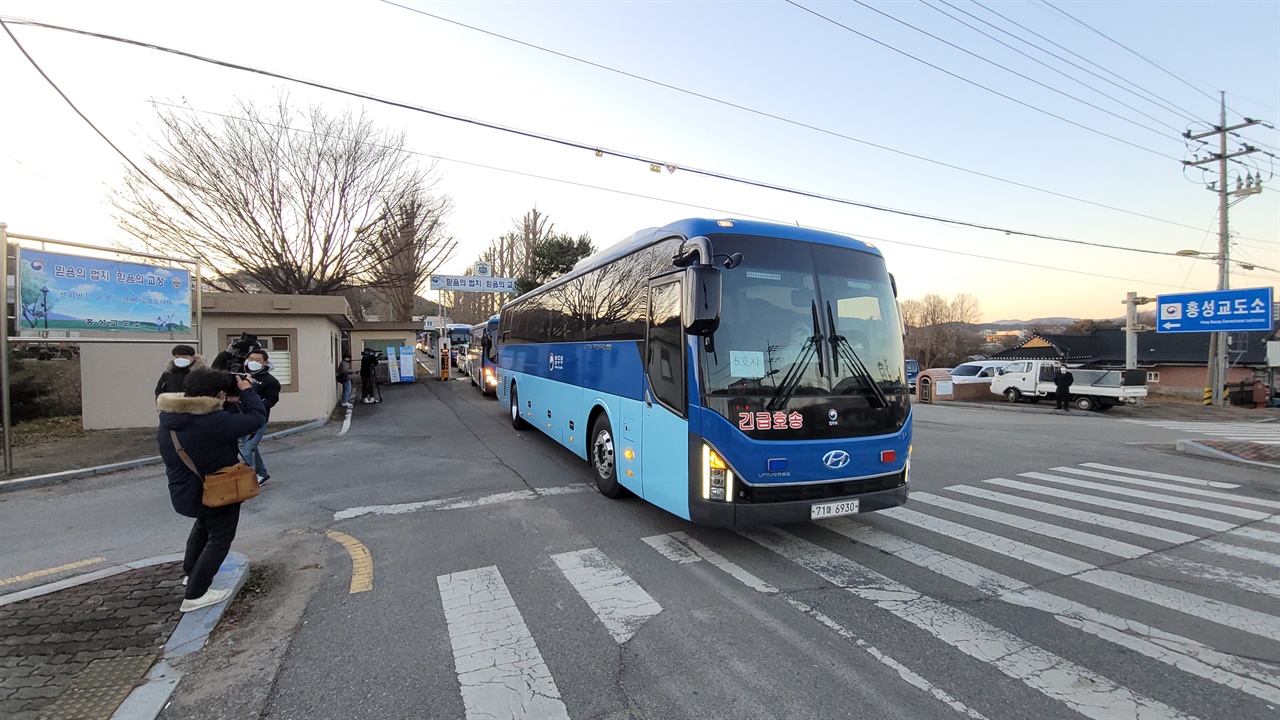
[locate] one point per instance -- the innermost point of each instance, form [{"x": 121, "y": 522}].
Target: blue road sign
[{"x": 1215, "y": 311}]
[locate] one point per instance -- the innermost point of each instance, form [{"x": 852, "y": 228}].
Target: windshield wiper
[
  {"x": 791, "y": 381},
  {"x": 840, "y": 346}
]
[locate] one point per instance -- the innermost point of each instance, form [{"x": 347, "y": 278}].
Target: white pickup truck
[{"x": 1091, "y": 390}]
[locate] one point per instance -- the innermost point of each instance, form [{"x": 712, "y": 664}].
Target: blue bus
[
  {"x": 483, "y": 355},
  {"x": 730, "y": 372}
]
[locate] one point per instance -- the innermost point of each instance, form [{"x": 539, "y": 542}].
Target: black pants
[
  {"x": 1064, "y": 400},
  {"x": 207, "y": 546},
  {"x": 366, "y": 386}
]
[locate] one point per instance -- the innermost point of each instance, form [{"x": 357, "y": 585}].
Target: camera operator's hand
[{"x": 243, "y": 382}]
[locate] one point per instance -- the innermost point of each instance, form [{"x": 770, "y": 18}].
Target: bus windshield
[{"x": 804, "y": 319}]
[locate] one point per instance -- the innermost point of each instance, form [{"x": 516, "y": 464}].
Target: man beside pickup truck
[{"x": 1062, "y": 379}]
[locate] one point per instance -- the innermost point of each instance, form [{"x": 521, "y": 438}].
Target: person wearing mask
[
  {"x": 368, "y": 361},
  {"x": 268, "y": 388},
  {"x": 1062, "y": 378},
  {"x": 344, "y": 377},
  {"x": 175, "y": 373},
  {"x": 209, "y": 435}
]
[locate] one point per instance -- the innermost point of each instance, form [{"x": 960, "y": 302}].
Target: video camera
[{"x": 233, "y": 358}]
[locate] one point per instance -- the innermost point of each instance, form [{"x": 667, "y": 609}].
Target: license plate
[{"x": 833, "y": 509}]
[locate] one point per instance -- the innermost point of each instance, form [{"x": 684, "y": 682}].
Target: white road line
[
  {"x": 1184, "y": 518},
  {"x": 1244, "y": 581},
  {"x": 1237, "y": 551},
  {"x": 1089, "y": 540},
  {"x": 1079, "y": 688},
  {"x": 1129, "y": 526},
  {"x": 1161, "y": 476},
  {"x": 1193, "y": 657},
  {"x": 1256, "y": 534},
  {"x": 1142, "y": 494},
  {"x": 457, "y": 503},
  {"x": 1215, "y": 611},
  {"x": 620, "y": 603},
  {"x": 1173, "y": 488},
  {"x": 500, "y": 670},
  {"x": 691, "y": 550}
]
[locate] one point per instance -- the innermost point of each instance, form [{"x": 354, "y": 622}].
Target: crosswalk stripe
[
  {"x": 1079, "y": 688},
  {"x": 1162, "y": 476},
  {"x": 1244, "y": 581},
  {"x": 1180, "y": 652},
  {"x": 620, "y": 603},
  {"x": 501, "y": 672},
  {"x": 1216, "y": 611},
  {"x": 1256, "y": 534},
  {"x": 1172, "y": 488},
  {"x": 1242, "y": 553},
  {"x": 1129, "y": 526},
  {"x": 1107, "y": 545},
  {"x": 1142, "y": 494},
  {"x": 694, "y": 551},
  {"x": 1184, "y": 518}
]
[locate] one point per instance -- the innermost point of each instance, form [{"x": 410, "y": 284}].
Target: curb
[
  {"x": 1007, "y": 407},
  {"x": 1191, "y": 447},
  {"x": 53, "y": 478}
]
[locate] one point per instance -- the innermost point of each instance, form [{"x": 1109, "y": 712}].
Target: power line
[
  {"x": 1043, "y": 63},
  {"x": 599, "y": 151},
  {"x": 1153, "y": 63},
  {"x": 1166, "y": 104},
  {"x": 963, "y": 79},
  {"x": 682, "y": 203},
  {"x": 1028, "y": 78},
  {"x": 89, "y": 122},
  {"x": 783, "y": 119}
]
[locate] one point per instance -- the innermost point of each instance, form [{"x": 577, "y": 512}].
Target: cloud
[
  {"x": 153, "y": 296},
  {"x": 85, "y": 288},
  {"x": 162, "y": 272}
]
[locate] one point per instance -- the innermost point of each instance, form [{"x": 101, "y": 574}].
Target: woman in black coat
[{"x": 209, "y": 434}]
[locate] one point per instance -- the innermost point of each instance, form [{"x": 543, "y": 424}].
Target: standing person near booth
[
  {"x": 175, "y": 373},
  {"x": 268, "y": 388},
  {"x": 209, "y": 436},
  {"x": 344, "y": 377},
  {"x": 1063, "y": 378},
  {"x": 368, "y": 361}
]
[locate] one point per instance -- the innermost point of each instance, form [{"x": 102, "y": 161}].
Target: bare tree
[
  {"x": 289, "y": 199},
  {"x": 409, "y": 245},
  {"x": 939, "y": 332}
]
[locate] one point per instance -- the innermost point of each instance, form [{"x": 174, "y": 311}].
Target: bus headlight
[
  {"x": 717, "y": 478},
  {"x": 489, "y": 378}
]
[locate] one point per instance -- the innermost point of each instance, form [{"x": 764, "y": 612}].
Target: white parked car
[{"x": 978, "y": 371}]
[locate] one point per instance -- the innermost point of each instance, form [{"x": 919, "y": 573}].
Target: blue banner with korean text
[
  {"x": 72, "y": 295},
  {"x": 1215, "y": 311},
  {"x": 472, "y": 283}
]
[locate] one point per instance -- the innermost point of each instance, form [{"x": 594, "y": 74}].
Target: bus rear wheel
[
  {"x": 604, "y": 458},
  {"x": 517, "y": 422}
]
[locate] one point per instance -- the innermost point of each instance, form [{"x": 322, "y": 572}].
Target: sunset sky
[{"x": 764, "y": 91}]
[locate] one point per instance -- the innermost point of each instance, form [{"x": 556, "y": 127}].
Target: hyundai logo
[{"x": 836, "y": 459}]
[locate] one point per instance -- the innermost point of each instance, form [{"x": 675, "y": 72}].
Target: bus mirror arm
[{"x": 694, "y": 250}]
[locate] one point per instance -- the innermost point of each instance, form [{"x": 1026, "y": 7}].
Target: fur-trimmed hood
[
  {"x": 180, "y": 403},
  {"x": 196, "y": 362}
]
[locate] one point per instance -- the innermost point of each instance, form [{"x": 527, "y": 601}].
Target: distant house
[{"x": 1176, "y": 363}]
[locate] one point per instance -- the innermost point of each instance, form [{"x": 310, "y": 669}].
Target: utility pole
[
  {"x": 1132, "y": 328},
  {"x": 1217, "y": 376}
]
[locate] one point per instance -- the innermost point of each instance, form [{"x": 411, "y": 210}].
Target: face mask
[
  {"x": 181, "y": 362},
  {"x": 253, "y": 366}
]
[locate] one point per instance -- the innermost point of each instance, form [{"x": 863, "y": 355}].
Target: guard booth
[{"x": 934, "y": 385}]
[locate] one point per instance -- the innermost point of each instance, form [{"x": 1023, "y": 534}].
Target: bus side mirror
[
  {"x": 701, "y": 312},
  {"x": 486, "y": 342}
]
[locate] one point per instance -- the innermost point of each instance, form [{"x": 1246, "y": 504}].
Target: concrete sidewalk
[{"x": 95, "y": 647}]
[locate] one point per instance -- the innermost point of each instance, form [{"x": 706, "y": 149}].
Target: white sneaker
[
  {"x": 184, "y": 581},
  {"x": 210, "y": 597},
  {"x": 347, "y": 405}
]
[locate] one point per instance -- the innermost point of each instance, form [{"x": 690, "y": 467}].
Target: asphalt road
[{"x": 1047, "y": 566}]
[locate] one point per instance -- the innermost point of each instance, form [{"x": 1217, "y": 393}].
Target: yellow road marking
[
  {"x": 52, "y": 571},
  {"x": 361, "y": 561}
]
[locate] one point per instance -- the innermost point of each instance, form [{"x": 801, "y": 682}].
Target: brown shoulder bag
[{"x": 232, "y": 484}]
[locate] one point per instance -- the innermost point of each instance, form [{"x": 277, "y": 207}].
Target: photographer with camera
[
  {"x": 258, "y": 366},
  {"x": 196, "y": 428},
  {"x": 368, "y": 361}
]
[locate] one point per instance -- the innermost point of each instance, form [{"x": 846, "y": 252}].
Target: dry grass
[{"x": 41, "y": 430}]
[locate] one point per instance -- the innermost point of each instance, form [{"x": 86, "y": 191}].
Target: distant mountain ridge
[{"x": 1035, "y": 321}]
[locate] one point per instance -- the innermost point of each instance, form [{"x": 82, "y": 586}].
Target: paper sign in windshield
[{"x": 746, "y": 364}]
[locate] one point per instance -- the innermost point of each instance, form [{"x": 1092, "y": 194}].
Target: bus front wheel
[
  {"x": 604, "y": 458},
  {"x": 517, "y": 422}
]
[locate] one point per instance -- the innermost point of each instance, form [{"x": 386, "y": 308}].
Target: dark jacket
[
  {"x": 209, "y": 434},
  {"x": 173, "y": 377},
  {"x": 1063, "y": 380},
  {"x": 268, "y": 388},
  {"x": 368, "y": 361}
]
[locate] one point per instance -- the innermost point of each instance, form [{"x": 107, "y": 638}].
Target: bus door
[{"x": 665, "y": 428}]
